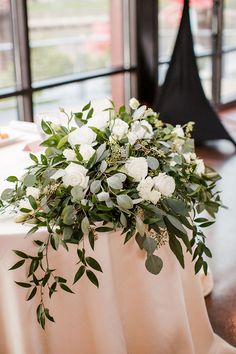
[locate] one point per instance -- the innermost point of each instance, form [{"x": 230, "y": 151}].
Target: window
[{"x": 62, "y": 53}]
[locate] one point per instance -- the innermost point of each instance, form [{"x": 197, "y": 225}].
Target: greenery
[{"x": 124, "y": 170}]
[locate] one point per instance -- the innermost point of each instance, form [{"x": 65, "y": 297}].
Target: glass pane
[
  {"x": 6, "y": 46},
  {"x": 228, "y": 81},
  {"x": 229, "y": 30},
  {"x": 72, "y": 97},
  {"x": 169, "y": 16},
  {"x": 8, "y": 110},
  {"x": 205, "y": 72},
  {"x": 72, "y": 36}
]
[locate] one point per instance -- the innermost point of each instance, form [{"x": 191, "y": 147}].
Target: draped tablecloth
[{"x": 132, "y": 312}]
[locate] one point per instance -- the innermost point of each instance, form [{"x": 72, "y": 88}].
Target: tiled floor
[{"x": 221, "y": 304}]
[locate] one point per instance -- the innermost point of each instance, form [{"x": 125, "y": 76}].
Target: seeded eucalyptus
[{"x": 121, "y": 170}]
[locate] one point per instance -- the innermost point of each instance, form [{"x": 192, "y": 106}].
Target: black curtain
[{"x": 182, "y": 98}]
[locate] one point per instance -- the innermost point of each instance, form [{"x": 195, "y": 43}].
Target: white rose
[
  {"x": 75, "y": 175},
  {"x": 178, "y": 131},
  {"x": 81, "y": 136},
  {"x": 99, "y": 121},
  {"x": 103, "y": 196},
  {"x": 119, "y": 129},
  {"x": 138, "y": 113},
  {"x": 137, "y": 168},
  {"x": 189, "y": 156},
  {"x": 86, "y": 151},
  {"x": 200, "y": 167},
  {"x": 146, "y": 192},
  {"x": 132, "y": 138},
  {"x": 134, "y": 103},
  {"x": 69, "y": 154},
  {"x": 142, "y": 129},
  {"x": 35, "y": 192},
  {"x": 165, "y": 184}
]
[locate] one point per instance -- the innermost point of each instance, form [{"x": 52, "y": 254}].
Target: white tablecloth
[{"x": 133, "y": 311}]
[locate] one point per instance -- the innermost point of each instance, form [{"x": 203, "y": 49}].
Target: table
[{"x": 133, "y": 311}]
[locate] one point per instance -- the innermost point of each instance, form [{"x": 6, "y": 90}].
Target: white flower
[
  {"x": 134, "y": 103},
  {"x": 165, "y": 184},
  {"x": 35, "y": 192},
  {"x": 146, "y": 192},
  {"x": 81, "y": 136},
  {"x": 103, "y": 196},
  {"x": 69, "y": 154},
  {"x": 149, "y": 113},
  {"x": 25, "y": 204},
  {"x": 20, "y": 217},
  {"x": 178, "y": 144},
  {"x": 138, "y": 113},
  {"x": 119, "y": 129},
  {"x": 189, "y": 156},
  {"x": 178, "y": 131},
  {"x": 140, "y": 130},
  {"x": 137, "y": 168},
  {"x": 86, "y": 151},
  {"x": 200, "y": 167},
  {"x": 132, "y": 138},
  {"x": 99, "y": 121},
  {"x": 75, "y": 175}
]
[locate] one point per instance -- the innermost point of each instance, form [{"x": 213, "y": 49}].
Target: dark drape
[{"x": 182, "y": 98}]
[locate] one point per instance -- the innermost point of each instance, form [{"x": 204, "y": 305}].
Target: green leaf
[
  {"x": 176, "y": 223},
  {"x": 79, "y": 273},
  {"x": 77, "y": 194},
  {"x": 124, "y": 201},
  {"x": 21, "y": 254},
  {"x": 139, "y": 239},
  {"x": 154, "y": 264},
  {"x": 67, "y": 232},
  {"x": 46, "y": 278},
  {"x": 62, "y": 142},
  {"x": 87, "y": 106},
  {"x": 198, "y": 265},
  {"x": 91, "y": 239},
  {"x": 66, "y": 288},
  {"x": 68, "y": 215},
  {"x": 85, "y": 225},
  {"x": 43, "y": 159},
  {"x": 90, "y": 114},
  {"x": 32, "y": 294},
  {"x": 177, "y": 205},
  {"x": 92, "y": 277},
  {"x": 95, "y": 186},
  {"x": 18, "y": 264},
  {"x": 207, "y": 251},
  {"x": 49, "y": 317},
  {"x": 140, "y": 226},
  {"x": 176, "y": 248},
  {"x": 7, "y": 194},
  {"x": 152, "y": 162},
  {"x": 12, "y": 179},
  {"x": 149, "y": 244},
  {"x": 33, "y": 266},
  {"x": 33, "y": 230},
  {"x": 46, "y": 128},
  {"x": 93, "y": 264},
  {"x": 29, "y": 180},
  {"x": 104, "y": 229},
  {"x": 33, "y": 158},
  {"x": 115, "y": 182},
  {"x": 33, "y": 202},
  {"x": 123, "y": 220},
  {"x": 24, "y": 285}
]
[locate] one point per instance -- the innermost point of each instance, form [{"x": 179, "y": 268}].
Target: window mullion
[{"x": 22, "y": 58}]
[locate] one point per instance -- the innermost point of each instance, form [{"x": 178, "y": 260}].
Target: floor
[{"x": 221, "y": 304}]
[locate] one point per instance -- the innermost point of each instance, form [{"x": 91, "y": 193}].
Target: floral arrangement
[{"x": 124, "y": 170}]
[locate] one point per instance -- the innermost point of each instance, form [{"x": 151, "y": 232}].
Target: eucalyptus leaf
[
  {"x": 152, "y": 162},
  {"x": 124, "y": 201},
  {"x": 149, "y": 244},
  {"x": 154, "y": 264}
]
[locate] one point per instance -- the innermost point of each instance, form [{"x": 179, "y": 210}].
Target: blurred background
[{"x": 64, "y": 52}]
